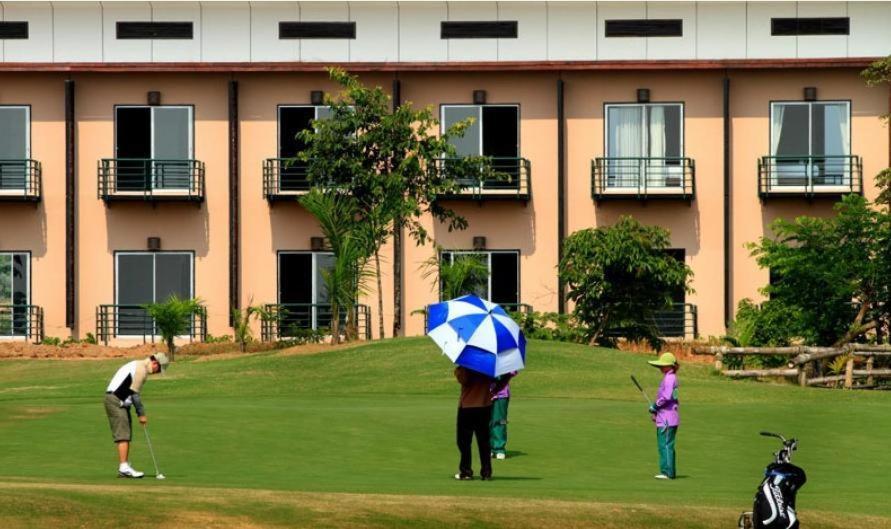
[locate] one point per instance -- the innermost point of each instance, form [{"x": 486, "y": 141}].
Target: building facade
[{"x": 141, "y": 145}]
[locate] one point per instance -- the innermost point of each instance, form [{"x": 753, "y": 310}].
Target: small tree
[
  {"x": 833, "y": 273},
  {"x": 387, "y": 163},
  {"x": 242, "y": 319},
  {"x": 618, "y": 277},
  {"x": 173, "y": 318},
  {"x": 455, "y": 278}
]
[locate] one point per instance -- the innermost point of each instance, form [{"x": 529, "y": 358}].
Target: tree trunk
[
  {"x": 171, "y": 348},
  {"x": 335, "y": 322},
  {"x": 380, "y": 294}
]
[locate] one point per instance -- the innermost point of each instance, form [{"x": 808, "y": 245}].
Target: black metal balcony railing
[
  {"x": 290, "y": 320},
  {"x": 285, "y": 178},
  {"x": 514, "y": 181},
  {"x": 151, "y": 179},
  {"x": 20, "y": 180},
  {"x": 134, "y": 321},
  {"x": 21, "y": 321},
  {"x": 521, "y": 308},
  {"x": 643, "y": 178},
  {"x": 809, "y": 176},
  {"x": 681, "y": 320}
]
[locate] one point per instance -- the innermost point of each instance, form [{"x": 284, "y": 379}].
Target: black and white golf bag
[{"x": 775, "y": 499}]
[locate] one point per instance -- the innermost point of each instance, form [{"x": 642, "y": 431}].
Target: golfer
[
  {"x": 474, "y": 416},
  {"x": 498, "y": 425},
  {"x": 665, "y": 414},
  {"x": 123, "y": 392}
]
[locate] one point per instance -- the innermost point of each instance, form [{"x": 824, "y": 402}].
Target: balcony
[
  {"x": 293, "y": 320},
  {"x": 513, "y": 180},
  {"x": 809, "y": 176},
  {"x": 20, "y": 180},
  {"x": 680, "y": 320},
  {"x": 285, "y": 179},
  {"x": 643, "y": 178},
  {"x": 151, "y": 180},
  {"x": 133, "y": 321},
  {"x": 24, "y": 322}
]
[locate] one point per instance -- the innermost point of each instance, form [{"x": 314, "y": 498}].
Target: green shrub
[
  {"x": 174, "y": 318},
  {"x": 51, "y": 340}
]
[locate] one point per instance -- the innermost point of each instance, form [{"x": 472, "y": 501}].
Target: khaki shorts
[{"x": 118, "y": 418}]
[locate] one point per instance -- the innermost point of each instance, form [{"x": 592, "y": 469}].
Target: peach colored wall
[
  {"x": 40, "y": 228},
  {"x": 752, "y": 93},
  {"x": 508, "y": 225},
  {"x": 696, "y": 227},
  {"x": 530, "y": 228},
  {"x": 104, "y": 229}
]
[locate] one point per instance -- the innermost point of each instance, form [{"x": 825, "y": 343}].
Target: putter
[
  {"x": 641, "y": 389},
  {"x": 148, "y": 440}
]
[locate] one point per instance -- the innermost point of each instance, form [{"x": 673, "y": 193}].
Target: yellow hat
[{"x": 665, "y": 359}]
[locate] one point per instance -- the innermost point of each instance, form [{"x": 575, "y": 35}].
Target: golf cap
[
  {"x": 162, "y": 360},
  {"x": 665, "y": 359}
]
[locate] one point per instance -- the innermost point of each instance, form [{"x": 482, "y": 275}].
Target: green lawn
[{"x": 365, "y": 437}]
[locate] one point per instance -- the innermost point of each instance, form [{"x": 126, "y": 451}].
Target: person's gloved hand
[{"x": 653, "y": 409}]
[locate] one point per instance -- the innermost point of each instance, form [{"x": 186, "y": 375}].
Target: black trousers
[{"x": 474, "y": 421}]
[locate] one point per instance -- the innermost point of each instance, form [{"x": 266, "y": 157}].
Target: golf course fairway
[{"x": 364, "y": 437}]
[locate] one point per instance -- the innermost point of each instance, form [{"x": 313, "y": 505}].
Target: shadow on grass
[
  {"x": 514, "y": 478},
  {"x": 514, "y": 453}
]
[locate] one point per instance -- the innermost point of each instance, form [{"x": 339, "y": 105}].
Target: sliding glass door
[
  {"x": 499, "y": 281},
  {"x": 143, "y": 278},
  {"x": 15, "y": 290},
  {"x": 495, "y": 132},
  {"x": 302, "y": 291},
  {"x": 15, "y": 148},
  {"x": 644, "y": 145},
  {"x": 810, "y": 143},
  {"x": 153, "y": 146}
]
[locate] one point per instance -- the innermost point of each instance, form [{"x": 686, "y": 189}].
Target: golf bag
[{"x": 774, "y": 506}]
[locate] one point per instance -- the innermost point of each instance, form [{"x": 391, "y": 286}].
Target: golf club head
[{"x": 160, "y": 476}]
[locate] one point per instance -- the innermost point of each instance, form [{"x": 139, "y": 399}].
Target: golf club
[
  {"x": 148, "y": 440},
  {"x": 641, "y": 389}
]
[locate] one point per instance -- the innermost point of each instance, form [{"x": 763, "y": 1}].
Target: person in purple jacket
[{"x": 665, "y": 414}]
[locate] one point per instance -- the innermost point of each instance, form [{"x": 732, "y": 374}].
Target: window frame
[
  {"x": 189, "y": 107},
  {"x": 646, "y": 121},
  {"x": 28, "y": 286},
  {"x": 488, "y": 254},
  {"x": 117, "y": 253},
  {"x": 443, "y": 106},
  {"x": 810, "y": 121},
  {"x": 314, "y": 316},
  {"x": 28, "y": 122}
]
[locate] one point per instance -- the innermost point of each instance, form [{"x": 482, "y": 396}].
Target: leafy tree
[
  {"x": 618, "y": 277},
  {"x": 833, "y": 273},
  {"x": 242, "y": 319},
  {"x": 385, "y": 162},
  {"x": 173, "y": 318}
]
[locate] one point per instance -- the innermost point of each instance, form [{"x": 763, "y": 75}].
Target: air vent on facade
[
  {"x": 479, "y": 30},
  {"x": 645, "y": 28},
  {"x": 13, "y": 30},
  {"x": 781, "y": 27},
  {"x": 316, "y": 30},
  {"x": 154, "y": 30}
]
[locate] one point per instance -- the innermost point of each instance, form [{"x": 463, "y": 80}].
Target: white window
[
  {"x": 153, "y": 147},
  {"x": 302, "y": 291},
  {"x": 142, "y": 278},
  {"x": 15, "y": 147},
  {"x": 499, "y": 282},
  {"x": 15, "y": 294},
  {"x": 495, "y": 132},
  {"x": 810, "y": 144},
  {"x": 644, "y": 145}
]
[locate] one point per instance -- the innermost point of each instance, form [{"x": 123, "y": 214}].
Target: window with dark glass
[
  {"x": 153, "y": 146},
  {"x": 810, "y": 26},
  {"x": 292, "y": 120},
  {"x": 810, "y": 143},
  {"x": 495, "y": 132},
  {"x": 302, "y": 292},
  {"x": 15, "y": 293},
  {"x": 644, "y": 28},
  {"x": 501, "y": 282},
  {"x": 485, "y": 29},
  {"x": 149, "y": 277},
  {"x": 15, "y": 147}
]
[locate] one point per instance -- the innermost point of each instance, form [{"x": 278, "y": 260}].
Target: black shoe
[
  {"x": 486, "y": 478},
  {"x": 464, "y": 477}
]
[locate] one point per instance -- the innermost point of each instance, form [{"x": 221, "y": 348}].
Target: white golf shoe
[
  {"x": 661, "y": 476},
  {"x": 126, "y": 471},
  {"x": 500, "y": 455}
]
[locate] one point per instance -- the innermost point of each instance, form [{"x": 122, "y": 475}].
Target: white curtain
[
  {"x": 656, "y": 174},
  {"x": 776, "y": 127},
  {"x": 626, "y": 140}
]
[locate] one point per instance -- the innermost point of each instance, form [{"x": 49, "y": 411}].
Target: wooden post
[
  {"x": 802, "y": 375},
  {"x": 719, "y": 361},
  {"x": 849, "y": 373},
  {"x": 869, "y": 378}
]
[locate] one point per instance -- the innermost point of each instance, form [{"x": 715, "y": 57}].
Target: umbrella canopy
[{"x": 477, "y": 334}]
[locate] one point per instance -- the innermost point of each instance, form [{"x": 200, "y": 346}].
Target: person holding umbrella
[
  {"x": 665, "y": 414},
  {"x": 485, "y": 343}
]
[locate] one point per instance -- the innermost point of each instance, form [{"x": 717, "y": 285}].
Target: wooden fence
[{"x": 806, "y": 363}]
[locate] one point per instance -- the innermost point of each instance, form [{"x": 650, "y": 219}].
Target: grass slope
[{"x": 274, "y": 439}]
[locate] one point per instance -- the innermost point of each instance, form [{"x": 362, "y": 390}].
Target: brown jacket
[{"x": 476, "y": 388}]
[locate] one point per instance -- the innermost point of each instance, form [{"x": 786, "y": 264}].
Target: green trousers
[
  {"x": 665, "y": 439},
  {"x": 498, "y": 426}
]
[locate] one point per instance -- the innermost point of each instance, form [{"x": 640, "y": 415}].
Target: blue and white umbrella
[{"x": 478, "y": 335}]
